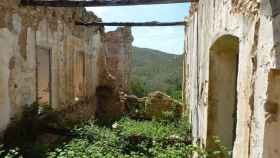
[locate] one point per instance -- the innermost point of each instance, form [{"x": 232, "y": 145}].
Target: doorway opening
[
  {"x": 43, "y": 75},
  {"x": 223, "y": 72},
  {"x": 79, "y": 75}
]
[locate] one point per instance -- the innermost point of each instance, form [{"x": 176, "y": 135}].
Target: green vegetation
[
  {"x": 126, "y": 138},
  {"x": 155, "y": 129},
  {"x": 166, "y": 137},
  {"x": 21, "y": 136},
  {"x": 154, "y": 70},
  {"x": 12, "y": 153}
]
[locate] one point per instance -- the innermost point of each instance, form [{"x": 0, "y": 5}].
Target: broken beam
[
  {"x": 139, "y": 24},
  {"x": 97, "y": 3}
]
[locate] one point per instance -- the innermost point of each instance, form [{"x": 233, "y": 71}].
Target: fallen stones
[{"x": 155, "y": 106}]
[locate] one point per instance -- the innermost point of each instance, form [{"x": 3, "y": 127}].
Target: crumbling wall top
[
  {"x": 193, "y": 8},
  {"x": 246, "y": 7},
  {"x": 34, "y": 14}
]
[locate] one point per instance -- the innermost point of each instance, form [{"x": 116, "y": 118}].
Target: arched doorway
[{"x": 222, "y": 98}]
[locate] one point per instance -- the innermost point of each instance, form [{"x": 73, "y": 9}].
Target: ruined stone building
[
  {"x": 45, "y": 57},
  {"x": 232, "y": 75}
]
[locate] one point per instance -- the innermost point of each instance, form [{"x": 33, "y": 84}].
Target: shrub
[
  {"x": 24, "y": 128},
  {"x": 138, "y": 88},
  {"x": 22, "y": 134},
  {"x": 175, "y": 93},
  {"x": 174, "y": 115},
  {"x": 128, "y": 139},
  {"x": 154, "y": 129},
  {"x": 125, "y": 139}
]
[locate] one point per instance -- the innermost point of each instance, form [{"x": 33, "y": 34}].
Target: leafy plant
[
  {"x": 22, "y": 134},
  {"x": 154, "y": 129},
  {"x": 218, "y": 149},
  {"x": 138, "y": 88},
  {"x": 24, "y": 128},
  {"x": 11, "y": 153},
  {"x": 128, "y": 139},
  {"x": 175, "y": 93}
]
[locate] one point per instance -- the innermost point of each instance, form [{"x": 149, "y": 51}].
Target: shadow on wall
[
  {"x": 109, "y": 106},
  {"x": 222, "y": 99},
  {"x": 270, "y": 7},
  {"x": 272, "y": 123}
]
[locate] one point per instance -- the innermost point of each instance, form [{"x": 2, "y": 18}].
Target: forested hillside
[{"x": 155, "y": 70}]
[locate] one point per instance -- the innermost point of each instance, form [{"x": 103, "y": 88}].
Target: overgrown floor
[{"x": 126, "y": 138}]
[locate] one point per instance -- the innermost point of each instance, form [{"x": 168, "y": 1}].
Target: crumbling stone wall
[
  {"x": 245, "y": 7},
  {"x": 255, "y": 25},
  {"x": 23, "y": 31},
  {"x": 74, "y": 53},
  {"x": 115, "y": 66},
  {"x": 118, "y": 53}
]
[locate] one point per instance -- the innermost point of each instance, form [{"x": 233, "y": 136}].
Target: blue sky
[{"x": 168, "y": 39}]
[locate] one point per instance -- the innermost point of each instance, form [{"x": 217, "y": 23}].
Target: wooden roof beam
[
  {"x": 97, "y": 3},
  {"x": 137, "y": 24}
]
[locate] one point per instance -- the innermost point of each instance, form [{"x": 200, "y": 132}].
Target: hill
[{"x": 155, "y": 70}]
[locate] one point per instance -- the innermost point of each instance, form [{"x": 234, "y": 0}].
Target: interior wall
[
  {"x": 22, "y": 31},
  {"x": 6, "y": 51}
]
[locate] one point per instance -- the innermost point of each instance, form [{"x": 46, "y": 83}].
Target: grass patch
[{"x": 154, "y": 129}]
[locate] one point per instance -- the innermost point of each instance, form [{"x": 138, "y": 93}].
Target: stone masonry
[
  {"x": 45, "y": 57},
  {"x": 115, "y": 65}
]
